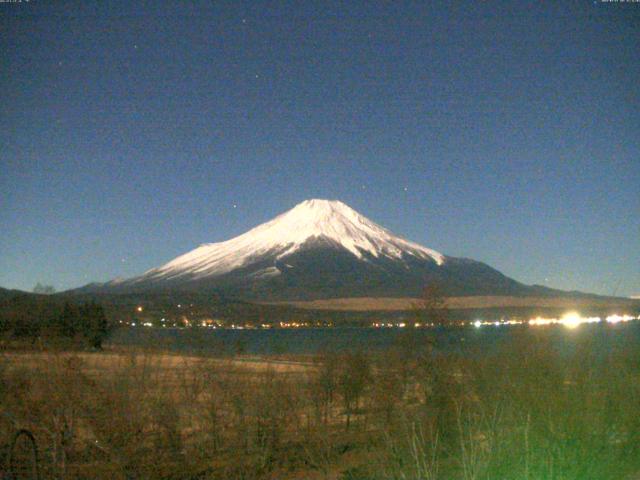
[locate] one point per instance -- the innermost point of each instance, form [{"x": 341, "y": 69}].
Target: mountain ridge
[
  {"x": 287, "y": 233},
  {"x": 319, "y": 249}
]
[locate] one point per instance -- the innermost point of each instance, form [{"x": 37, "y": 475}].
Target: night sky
[{"x": 507, "y": 132}]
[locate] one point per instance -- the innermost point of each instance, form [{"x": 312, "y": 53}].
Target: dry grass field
[
  {"x": 113, "y": 359},
  {"x": 522, "y": 411}
]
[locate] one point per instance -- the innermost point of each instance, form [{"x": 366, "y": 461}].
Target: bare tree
[
  {"x": 432, "y": 307},
  {"x": 324, "y": 384},
  {"x": 354, "y": 378}
]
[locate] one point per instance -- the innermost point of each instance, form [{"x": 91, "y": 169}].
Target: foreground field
[{"x": 523, "y": 411}]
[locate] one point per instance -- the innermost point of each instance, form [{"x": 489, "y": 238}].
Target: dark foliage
[{"x": 35, "y": 317}]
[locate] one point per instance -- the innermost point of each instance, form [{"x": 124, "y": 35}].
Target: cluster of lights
[
  {"x": 408, "y": 325},
  {"x": 216, "y": 324},
  {"x": 569, "y": 320},
  {"x": 496, "y": 323},
  {"x": 621, "y": 318},
  {"x": 293, "y": 325},
  {"x": 387, "y": 325},
  {"x": 246, "y": 326}
]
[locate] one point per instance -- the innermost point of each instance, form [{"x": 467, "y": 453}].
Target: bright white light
[
  {"x": 571, "y": 320},
  {"x": 619, "y": 318},
  {"x": 477, "y": 324}
]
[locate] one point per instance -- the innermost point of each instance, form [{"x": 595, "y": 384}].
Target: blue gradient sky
[{"x": 508, "y": 132}]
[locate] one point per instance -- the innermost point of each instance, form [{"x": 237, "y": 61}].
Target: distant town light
[
  {"x": 619, "y": 318},
  {"x": 571, "y": 320},
  {"x": 542, "y": 321}
]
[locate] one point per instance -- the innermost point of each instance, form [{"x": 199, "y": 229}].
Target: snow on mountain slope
[{"x": 332, "y": 221}]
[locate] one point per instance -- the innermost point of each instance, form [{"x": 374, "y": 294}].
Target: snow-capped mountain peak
[{"x": 328, "y": 220}]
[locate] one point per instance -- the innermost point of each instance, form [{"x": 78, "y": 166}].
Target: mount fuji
[{"x": 318, "y": 249}]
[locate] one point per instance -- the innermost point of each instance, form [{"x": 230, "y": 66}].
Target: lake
[{"x": 312, "y": 340}]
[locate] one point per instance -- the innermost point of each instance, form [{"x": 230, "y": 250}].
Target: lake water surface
[{"x": 312, "y": 340}]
